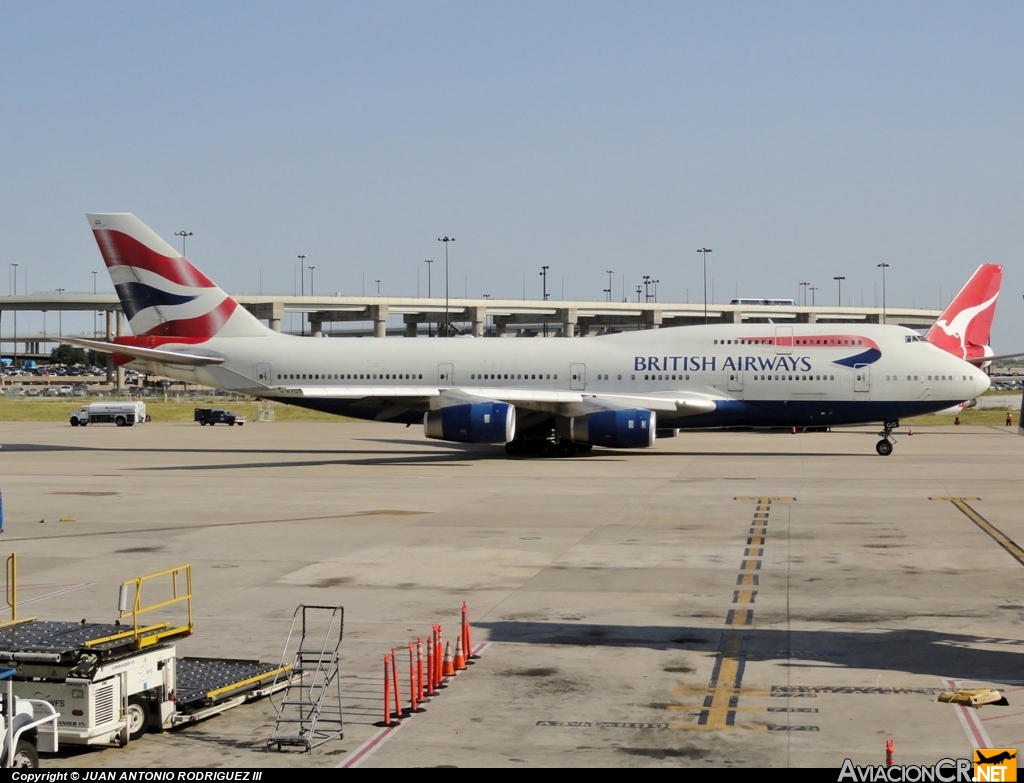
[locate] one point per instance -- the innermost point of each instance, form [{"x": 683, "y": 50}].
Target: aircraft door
[
  {"x": 861, "y": 377},
  {"x": 578, "y": 376},
  {"x": 263, "y": 373},
  {"x": 735, "y": 381},
  {"x": 783, "y": 340},
  {"x": 445, "y": 374}
]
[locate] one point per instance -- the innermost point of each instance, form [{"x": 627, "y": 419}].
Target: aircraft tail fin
[
  {"x": 165, "y": 298},
  {"x": 964, "y": 329}
]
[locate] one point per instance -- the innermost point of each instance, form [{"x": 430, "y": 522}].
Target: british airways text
[{"x": 710, "y": 363}]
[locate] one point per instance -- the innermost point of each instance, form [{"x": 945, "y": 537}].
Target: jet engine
[
  {"x": 484, "y": 422},
  {"x": 627, "y": 429}
]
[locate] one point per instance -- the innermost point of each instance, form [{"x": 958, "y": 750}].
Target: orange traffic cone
[
  {"x": 449, "y": 665},
  {"x": 793, "y": 431},
  {"x": 910, "y": 431},
  {"x": 460, "y": 657}
]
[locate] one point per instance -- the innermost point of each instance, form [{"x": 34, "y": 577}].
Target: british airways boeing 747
[{"x": 535, "y": 396}]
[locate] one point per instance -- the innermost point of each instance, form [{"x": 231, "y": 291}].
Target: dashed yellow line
[{"x": 743, "y": 596}]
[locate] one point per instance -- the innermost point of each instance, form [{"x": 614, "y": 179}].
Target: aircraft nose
[{"x": 981, "y": 382}]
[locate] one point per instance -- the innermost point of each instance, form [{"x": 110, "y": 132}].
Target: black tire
[
  {"x": 74, "y": 422},
  {"x": 138, "y": 717},
  {"x": 512, "y": 448},
  {"x": 25, "y": 756},
  {"x": 583, "y": 448},
  {"x": 231, "y": 424},
  {"x": 884, "y": 448},
  {"x": 547, "y": 449},
  {"x": 120, "y": 421},
  {"x": 566, "y": 448}
]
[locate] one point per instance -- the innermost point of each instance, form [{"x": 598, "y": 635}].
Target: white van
[{"x": 123, "y": 414}]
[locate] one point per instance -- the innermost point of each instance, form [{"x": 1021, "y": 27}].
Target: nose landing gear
[{"x": 884, "y": 446}]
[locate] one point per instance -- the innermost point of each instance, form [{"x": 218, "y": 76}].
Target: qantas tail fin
[
  {"x": 165, "y": 298},
  {"x": 965, "y": 327}
]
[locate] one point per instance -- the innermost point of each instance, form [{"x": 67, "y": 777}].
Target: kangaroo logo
[{"x": 961, "y": 323}]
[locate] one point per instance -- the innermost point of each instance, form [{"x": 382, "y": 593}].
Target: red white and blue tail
[
  {"x": 964, "y": 329},
  {"x": 165, "y": 298}
]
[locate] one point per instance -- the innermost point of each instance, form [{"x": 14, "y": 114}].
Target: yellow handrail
[
  {"x": 11, "y": 591},
  {"x": 163, "y": 630}
]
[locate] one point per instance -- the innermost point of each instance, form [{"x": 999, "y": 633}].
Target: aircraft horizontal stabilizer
[{"x": 147, "y": 354}]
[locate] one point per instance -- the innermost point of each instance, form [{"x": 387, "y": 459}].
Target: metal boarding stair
[{"x": 309, "y": 712}]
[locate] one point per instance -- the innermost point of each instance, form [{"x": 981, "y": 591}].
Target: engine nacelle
[
  {"x": 484, "y": 422},
  {"x": 614, "y": 429}
]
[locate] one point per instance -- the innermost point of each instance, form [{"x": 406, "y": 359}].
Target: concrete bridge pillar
[
  {"x": 569, "y": 318},
  {"x": 478, "y": 316},
  {"x": 379, "y": 314}
]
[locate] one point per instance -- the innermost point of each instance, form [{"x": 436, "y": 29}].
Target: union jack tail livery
[
  {"x": 964, "y": 328},
  {"x": 166, "y": 299}
]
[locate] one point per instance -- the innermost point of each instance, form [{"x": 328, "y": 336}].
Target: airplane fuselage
[{"x": 755, "y": 374}]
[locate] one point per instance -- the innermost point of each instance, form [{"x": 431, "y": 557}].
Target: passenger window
[{"x": 620, "y": 376}]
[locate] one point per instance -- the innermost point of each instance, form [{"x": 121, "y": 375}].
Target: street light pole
[
  {"x": 94, "y": 311},
  {"x": 813, "y": 289},
  {"x": 544, "y": 275},
  {"x": 610, "y": 273},
  {"x": 430, "y": 321},
  {"x": 60, "y": 313},
  {"x": 311, "y": 267},
  {"x": 302, "y": 290},
  {"x": 704, "y": 253},
  {"x": 446, "y": 240},
  {"x": 804, "y": 287},
  {"x": 839, "y": 279},
  {"x": 14, "y": 361},
  {"x": 182, "y": 234},
  {"x": 883, "y": 266}
]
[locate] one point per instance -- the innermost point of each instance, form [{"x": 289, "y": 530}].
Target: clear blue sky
[{"x": 798, "y": 140}]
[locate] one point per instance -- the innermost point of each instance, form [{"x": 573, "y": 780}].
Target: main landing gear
[
  {"x": 545, "y": 447},
  {"x": 884, "y": 446}
]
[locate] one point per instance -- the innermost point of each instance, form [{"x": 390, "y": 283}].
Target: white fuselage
[{"x": 757, "y": 374}]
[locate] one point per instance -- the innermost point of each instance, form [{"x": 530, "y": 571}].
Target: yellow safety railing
[
  {"x": 148, "y": 635},
  {"x": 11, "y": 592}
]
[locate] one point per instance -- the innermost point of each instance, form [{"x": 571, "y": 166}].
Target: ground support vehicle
[
  {"x": 213, "y": 416},
  {"x": 123, "y": 414},
  {"x": 32, "y": 728},
  {"x": 113, "y": 682}
]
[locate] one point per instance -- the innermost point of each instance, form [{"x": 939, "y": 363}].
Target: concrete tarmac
[{"x": 723, "y": 599}]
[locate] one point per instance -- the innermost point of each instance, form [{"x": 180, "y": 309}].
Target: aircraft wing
[
  {"x": 556, "y": 402},
  {"x": 980, "y": 360},
  {"x": 145, "y": 354}
]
